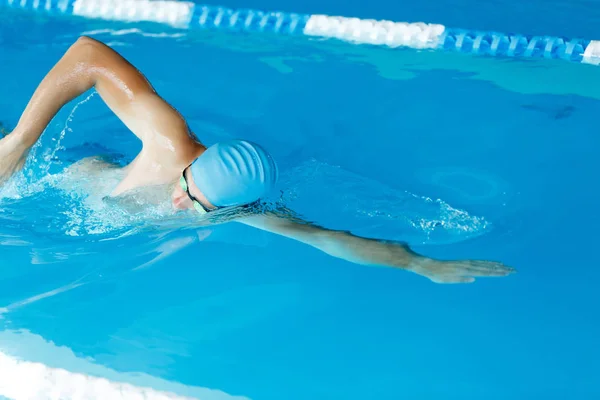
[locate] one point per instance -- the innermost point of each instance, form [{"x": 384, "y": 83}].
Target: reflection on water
[{"x": 32, "y": 367}]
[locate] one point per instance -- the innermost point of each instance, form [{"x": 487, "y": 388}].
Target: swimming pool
[{"x": 461, "y": 156}]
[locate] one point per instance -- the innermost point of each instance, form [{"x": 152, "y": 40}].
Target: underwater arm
[{"x": 365, "y": 251}]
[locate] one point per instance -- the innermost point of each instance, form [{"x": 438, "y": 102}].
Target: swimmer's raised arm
[
  {"x": 365, "y": 251},
  {"x": 86, "y": 64}
]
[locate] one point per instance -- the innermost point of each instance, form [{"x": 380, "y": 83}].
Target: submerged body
[{"x": 172, "y": 158}]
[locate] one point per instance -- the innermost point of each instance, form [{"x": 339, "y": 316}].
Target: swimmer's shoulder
[{"x": 164, "y": 132}]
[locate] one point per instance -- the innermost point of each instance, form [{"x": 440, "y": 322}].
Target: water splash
[
  {"x": 49, "y": 156},
  {"x": 327, "y": 193}
]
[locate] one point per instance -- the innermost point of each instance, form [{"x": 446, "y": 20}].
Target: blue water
[{"x": 462, "y": 157}]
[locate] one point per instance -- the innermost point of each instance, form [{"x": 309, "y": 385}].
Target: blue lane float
[{"x": 416, "y": 35}]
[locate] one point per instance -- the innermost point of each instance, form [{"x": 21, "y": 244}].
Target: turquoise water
[{"x": 461, "y": 157}]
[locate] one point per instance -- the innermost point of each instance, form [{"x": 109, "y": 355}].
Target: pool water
[{"x": 460, "y": 156}]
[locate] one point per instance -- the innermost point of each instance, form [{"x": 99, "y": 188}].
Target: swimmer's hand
[
  {"x": 460, "y": 271},
  {"x": 13, "y": 154},
  {"x": 396, "y": 254},
  {"x": 374, "y": 252}
]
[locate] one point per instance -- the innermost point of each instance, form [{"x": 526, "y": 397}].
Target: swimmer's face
[{"x": 182, "y": 200}]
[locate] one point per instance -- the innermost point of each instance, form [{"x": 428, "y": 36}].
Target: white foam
[
  {"x": 394, "y": 34},
  {"x": 28, "y": 380},
  {"x": 175, "y": 13}
]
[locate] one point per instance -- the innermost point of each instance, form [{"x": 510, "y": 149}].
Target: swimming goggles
[{"x": 197, "y": 205}]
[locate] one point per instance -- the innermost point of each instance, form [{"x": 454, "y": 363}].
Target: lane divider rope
[{"x": 189, "y": 15}]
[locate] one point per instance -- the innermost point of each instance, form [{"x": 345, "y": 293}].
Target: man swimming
[{"x": 228, "y": 174}]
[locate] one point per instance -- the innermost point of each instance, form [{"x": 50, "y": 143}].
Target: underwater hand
[
  {"x": 460, "y": 271},
  {"x": 400, "y": 255},
  {"x": 12, "y": 156}
]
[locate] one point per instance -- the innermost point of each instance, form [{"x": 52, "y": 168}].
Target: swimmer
[{"x": 232, "y": 173}]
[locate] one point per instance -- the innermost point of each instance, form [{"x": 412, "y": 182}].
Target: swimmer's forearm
[
  {"x": 86, "y": 64},
  {"x": 65, "y": 81},
  {"x": 339, "y": 244}
]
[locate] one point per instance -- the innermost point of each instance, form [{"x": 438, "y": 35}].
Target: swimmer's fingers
[
  {"x": 485, "y": 268},
  {"x": 464, "y": 271}
]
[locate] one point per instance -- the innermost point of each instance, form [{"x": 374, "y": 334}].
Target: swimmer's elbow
[
  {"x": 85, "y": 44},
  {"x": 85, "y": 40},
  {"x": 88, "y": 50}
]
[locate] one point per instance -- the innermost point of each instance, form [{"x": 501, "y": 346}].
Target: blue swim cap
[{"x": 234, "y": 173}]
